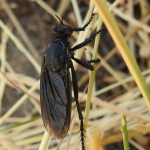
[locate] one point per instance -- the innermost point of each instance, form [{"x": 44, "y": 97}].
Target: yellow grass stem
[
  {"x": 92, "y": 78},
  {"x": 44, "y": 141}
]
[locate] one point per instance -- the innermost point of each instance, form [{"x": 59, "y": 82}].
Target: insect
[{"x": 55, "y": 82}]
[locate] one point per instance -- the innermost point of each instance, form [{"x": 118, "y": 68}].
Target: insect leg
[
  {"x": 83, "y": 28},
  {"x": 84, "y": 63},
  {"x": 94, "y": 61},
  {"x": 88, "y": 40},
  {"x": 75, "y": 87}
]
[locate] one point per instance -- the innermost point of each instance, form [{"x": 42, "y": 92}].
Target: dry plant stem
[
  {"x": 144, "y": 6},
  {"x": 124, "y": 132},
  {"x": 28, "y": 141},
  {"x": 128, "y": 79},
  {"x": 30, "y": 132},
  {"x": 15, "y": 86},
  {"x": 24, "y": 91},
  {"x": 18, "y": 103},
  {"x": 10, "y": 146},
  {"x": 3, "y": 61},
  {"x": 91, "y": 80},
  {"x": 18, "y": 26},
  {"x": 124, "y": 49},
  {"x": 117, "y": 109},
  {"x": 130, "y": 19},
  {"x": 130, "y": 13},
  {"x": 71, "y": 127},
  {"x": 144, "y": 19},
  {"x": 57, "y": 148},
  {"x": 10, "y": 81},
  {"x": 124, "y": 30},
  {"x": 94, "y": 138},
  {"x": 73, "y": 143},
  {"x": 20, "y": 79},
  {"x": 18, "y": 130},
  {"x": 117, "y": 138},
  {"x": 77, "y": 12},
  {"x": 144, "y": 128},
  {"x": 20, "y": 46},
  {"x": 45, "y": 141},
  {"x": 52, "y": 12},
  {"x": 9, "y": 67},
  {"x": 48, "y": 9},
  {"x": 61, "y": 10},
  {"x": 136, "y": 145},
  {"x": 16, "y": 119},
  {"x": 112, "y": 72},
  {"x": 115, "y": 3}
]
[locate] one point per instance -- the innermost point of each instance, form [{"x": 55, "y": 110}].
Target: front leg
[
  {"x": 88, "y": 40},
  {"x": 83, "y": 28}
]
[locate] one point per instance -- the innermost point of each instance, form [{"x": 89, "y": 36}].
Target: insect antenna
[{"x": 61, "y": 21}]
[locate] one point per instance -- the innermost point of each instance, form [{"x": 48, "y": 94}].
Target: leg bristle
[{"x": 82, "y": 133}]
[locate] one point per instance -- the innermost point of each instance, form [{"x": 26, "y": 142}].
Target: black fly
[{"x": 55, "y": 83}]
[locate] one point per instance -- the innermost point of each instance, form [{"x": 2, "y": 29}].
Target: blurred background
[{"x": 25, "y": 31}]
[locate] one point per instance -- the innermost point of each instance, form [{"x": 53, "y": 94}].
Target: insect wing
[
  {"x": 53, "y": 101},
  {"x": 65, "y": 75}
]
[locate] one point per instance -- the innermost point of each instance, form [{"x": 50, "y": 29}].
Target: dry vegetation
[{"x": 25, "y": 31}]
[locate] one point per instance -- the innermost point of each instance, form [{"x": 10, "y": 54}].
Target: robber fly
[{"x": 55, "y": 82}]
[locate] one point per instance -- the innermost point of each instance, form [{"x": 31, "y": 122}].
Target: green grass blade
[{"x": 124, "y": 132}]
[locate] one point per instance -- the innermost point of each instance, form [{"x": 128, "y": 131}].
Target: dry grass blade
[
  {"x": 18, "y": 26},
  {"x": 132, "y": 20},
  {"x": 20, "y": 46},
  {"x": 3, "y": 62},
  {"x": 45, "y": 141},
  {"x": 20, "y": 101}
]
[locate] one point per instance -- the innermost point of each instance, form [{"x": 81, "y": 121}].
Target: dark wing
[
  {"x": 53, "y": 99},
  {"x": 65, "y": 75}
]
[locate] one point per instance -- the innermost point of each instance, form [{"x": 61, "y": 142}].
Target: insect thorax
[{"x": 57, "y": 54}]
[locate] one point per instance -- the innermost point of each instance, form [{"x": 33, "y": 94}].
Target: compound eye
[{"x": 54, "y": 27}]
